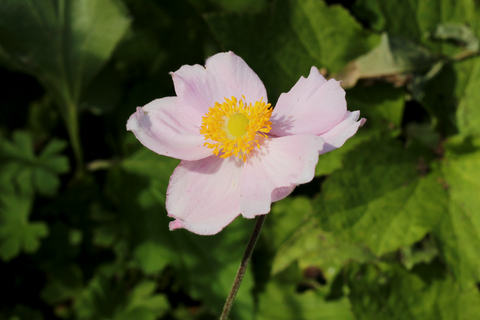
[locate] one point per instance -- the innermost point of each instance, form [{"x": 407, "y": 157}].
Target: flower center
[
  {"x": 237, "y": 125},
  {"x": 234, "y": 127}
]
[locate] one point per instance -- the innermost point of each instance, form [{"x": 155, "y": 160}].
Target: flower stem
[{"x": 243, "y": 266}]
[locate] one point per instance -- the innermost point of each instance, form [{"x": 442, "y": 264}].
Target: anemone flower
[{"x": 239, "y": 154}]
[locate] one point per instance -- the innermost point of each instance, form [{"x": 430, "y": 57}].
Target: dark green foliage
[{"x": 388, "y": 229}]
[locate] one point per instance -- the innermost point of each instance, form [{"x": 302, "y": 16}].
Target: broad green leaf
[
  {"x": 281, "y": 301},
  {"x": 285, "y": 219},
  {"x": 458, "y": 233},
  {"x": 328, "y": 33},
  {"x": 313, "y": 247},
  {"x": 28, "y": 171},
  {"x": 440, "y": 101},
  {"x": 378, "y": 202},
  {"x": 298, "y": 35},
  {"x": 384, "y": 291},
  {"x": 468, "y": 113},
  {"x": 382, "y": 105},
  {"x": 62, "y": 43},
  {"x": 394, "y": 206},
  {"x": 294, "y": 236},
  {"x": 333, "y": 160},
  {"x": 417, "y": 19},
  {"x": 393, "y": 59}
]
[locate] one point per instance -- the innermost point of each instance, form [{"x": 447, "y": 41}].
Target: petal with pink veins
[
  {"x": 313, "y": 106},
  {"x": 224, "y": 76},
  {"x": 169, "y": 129},
  {"x": 272, "y": 171},
  {"x": 336, "y": 137},
  {"x": 203, "y": 196}
]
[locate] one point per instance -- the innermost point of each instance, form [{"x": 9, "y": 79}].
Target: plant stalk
[{"x": 243, "y": 266}]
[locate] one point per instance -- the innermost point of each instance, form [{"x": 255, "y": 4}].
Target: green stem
[
  {"x": 243, "y": 266},
  {"x": 71, "y": 122}
]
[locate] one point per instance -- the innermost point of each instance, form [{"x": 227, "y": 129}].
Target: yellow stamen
[{"x": 234, "y": 127}]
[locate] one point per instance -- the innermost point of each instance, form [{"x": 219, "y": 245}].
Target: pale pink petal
[
  {"x": 204, "y": 195},
  {"x": 312, "y": 106},
  {"x": 236, "y": 76},
  {"x": 336, "y": 137},
  {"x": 279, "y": 163},
  {"x": 224, "y": 76},
  {"x": 169, "y": 129},
  {"x": 281, "y": 193}
]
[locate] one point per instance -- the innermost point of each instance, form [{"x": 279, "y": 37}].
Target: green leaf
[
  {"x": 16, "y": 232},
  {"x": 230, "y": 5},
  {"x": 389, "y": 292},
  {"x": 423, "y": 251},
  {"x": 28, "y": 171},
  {"x": 106, "y": 298},
  {"x": 147, "y": 163},
  {"x": 394, "y": 206},
  {"x": 294, "y": 235},
  {"x": 417, "y": 19},
  {"x": 298, "y": 35},
  {"x": 468, "y": 113},
  {"x": 392, "y": 59},
  {"x": 63, "y": 43},
  {"x": 313, "y": 247},
  {"x": 458, "y": 233},
  {"x": 460, "y": 33},
  {"x": 290, "y": 304},
  {"x": 151, "y": 256},
  {"x": 378, "y": 202},
  {"x": 382, "y": 105},
  {"x": 65, "y": 283},
  {"x": 287, "y": 216}
]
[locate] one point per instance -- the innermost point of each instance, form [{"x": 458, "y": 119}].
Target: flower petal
[
  {"x": 204, "y": 195},
  {"x": 312, "y": 106},
  {"x": 272, "y": 171},
  {"x": 168, "y": 129},
  {"x": 336, "y": 137},
  {"x": 224, "y": 76}
]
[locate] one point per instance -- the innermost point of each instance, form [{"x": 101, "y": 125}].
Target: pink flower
[{"x": 238, "y": 154}]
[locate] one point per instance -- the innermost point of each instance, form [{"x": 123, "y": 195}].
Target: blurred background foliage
[{"x": 388, "y": 229}]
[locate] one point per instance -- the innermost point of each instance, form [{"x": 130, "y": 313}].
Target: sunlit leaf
[
  {"x": 290, "y": 304},
  {"x": 417, "y": 19},
  {"x": 378, "y": 201},
  {"x": 393, "y": 59},
  {"x": 458, "y": 233},
  {"x": 389, "y": 292},
  {"x": 468, "y": 113}
]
